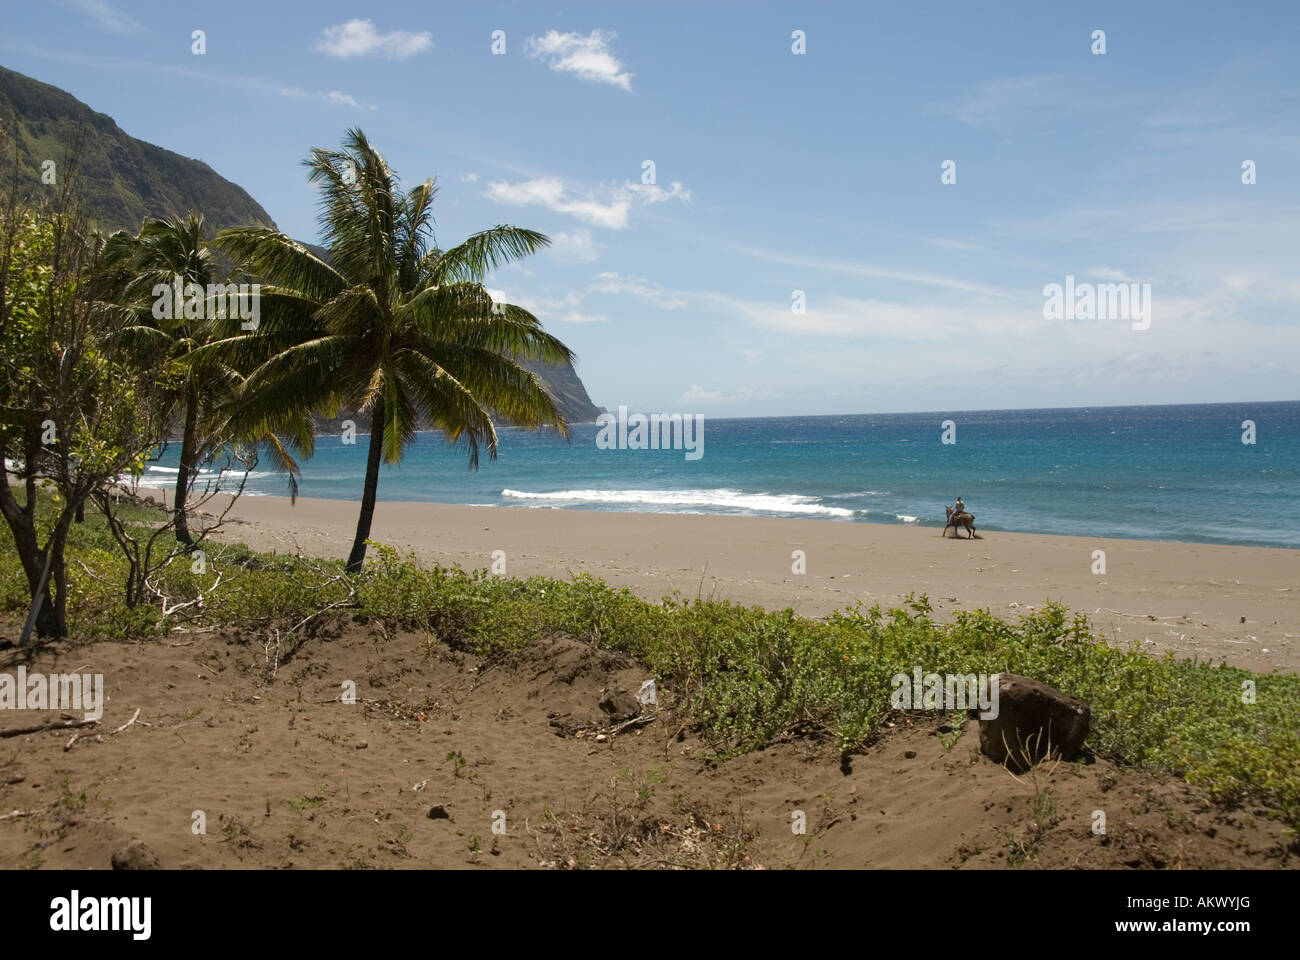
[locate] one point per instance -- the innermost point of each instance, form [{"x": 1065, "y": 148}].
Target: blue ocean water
[{"x": 1155, "y": 472}]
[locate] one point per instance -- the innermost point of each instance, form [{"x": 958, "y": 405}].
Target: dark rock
[
  {"x": 136, "y": 856},
  {"x": 439, "y": 812},
  {"x": 567, "y": 726},
  {"x": 1033, "y": 719},
  {"x": 620, "y": 705}
]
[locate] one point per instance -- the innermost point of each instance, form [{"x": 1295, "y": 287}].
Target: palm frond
[
  {"x": 477, "y": 256},
  {"x": 271, "y": 255}
]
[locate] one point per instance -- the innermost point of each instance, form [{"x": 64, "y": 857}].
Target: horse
[{"x": 966, "y": 520}]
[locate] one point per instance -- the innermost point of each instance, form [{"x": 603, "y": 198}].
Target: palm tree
[
  {"x": 392, "y": 326},
  {"x": 169, "y": 252}
]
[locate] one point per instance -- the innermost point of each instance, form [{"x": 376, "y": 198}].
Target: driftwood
[
  {"x": 42, "y": 727},
  {"x": 133, "y": 719}
]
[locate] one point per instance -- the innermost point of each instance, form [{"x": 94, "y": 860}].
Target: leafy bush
[{"x": 748, "y": 676}]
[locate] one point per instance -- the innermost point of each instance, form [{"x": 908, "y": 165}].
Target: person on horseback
[{"x": 959, "y": 517}]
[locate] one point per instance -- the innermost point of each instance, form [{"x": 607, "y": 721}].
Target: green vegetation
[
  {"x": 175, "y": 251},
  {"x": 746, "y": 676},
  {"x": 108, "y": 348},
  {"x": 399, "y": 329}
]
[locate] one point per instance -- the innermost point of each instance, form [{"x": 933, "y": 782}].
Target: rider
[{"x": 958, "y": 508}]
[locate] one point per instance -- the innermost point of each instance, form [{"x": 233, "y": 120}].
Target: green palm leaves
[{"x": 390, "y": 327}]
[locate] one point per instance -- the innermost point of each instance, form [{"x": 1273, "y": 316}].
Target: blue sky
[{"x": 777, "y": 173}]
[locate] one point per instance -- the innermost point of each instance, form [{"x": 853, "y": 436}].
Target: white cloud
[
  {"x": 469, "y": 178},
  {"x": 551, "y": 193},
  {"x": 575, "y": 248},
  {"x": 111, "y": 19},
  {"x": 697, "y": 395},
  {"x": 546, "y": 191},
  {"x": 852, "y": 318},
  {"x": 612, "y": 215},
  {"x": 334, "y": 96},
  {"x": 1112, "y": 275},
  {"x": 1006, "y": 102},
  {"x": 606, "y": 207},
  {"x": 549, "y": 309},
  {"x": 589, "y": 57},
  {"x": 649, "y": 193},
  {"x": 359, "y": 38},
  {"x": 640, "y": 288},
  {"x": 871, "y": 270},
  {"x": 1195, "y": 337}
]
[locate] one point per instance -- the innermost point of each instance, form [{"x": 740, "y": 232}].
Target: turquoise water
[{"x": 1163, "y": 472}]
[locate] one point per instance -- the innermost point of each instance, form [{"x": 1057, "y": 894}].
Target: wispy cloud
[
  {"x": 698, "y": 395},
  {"x": 1005, "y": 102},
  {"x": 854, "y": 318},
  {"x": 653, "y": 193},
  {"x": 872, "y": 270},
  {"x": 337, "y": 97},
  {"x": 573, "y": 316},
  {"x": 550, "y": 192},
  {"x": 550, "y": 309},
  {"x": 570, "y": 307},
  {"x": 1197, "y": 219},
  {"x": 1114, "y": 276},
  {"x": 108, "y": 17},
  {"x": 587, "y": 57},
  {"x": 576, "y": 247},
  {"x": 640, "y": 288},
  {"x": 607, "y": 207},
  {"x": 359, "y": 38}
]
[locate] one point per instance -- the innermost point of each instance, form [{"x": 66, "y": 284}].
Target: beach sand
[
  {"x": 448, "y": 759},
  {"x": 1239, "y": 605}
]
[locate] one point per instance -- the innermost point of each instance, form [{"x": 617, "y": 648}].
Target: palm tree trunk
[
  {"x": 188, "y": 445},
  {"x": 373, "y": 458}
]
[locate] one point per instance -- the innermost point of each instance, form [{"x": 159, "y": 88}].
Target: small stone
[
  {"x": 362, "y": 745},
  {"x": 910, "y": 755},
  {"x": 439, "y": 812},
  {"x": 620, "y": 705}
]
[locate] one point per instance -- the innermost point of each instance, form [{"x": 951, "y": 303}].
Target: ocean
[{"x": 1174, "y": 472}]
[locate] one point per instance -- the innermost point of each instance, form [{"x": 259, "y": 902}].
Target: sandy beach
[{"x": 1239, "y": 605}]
